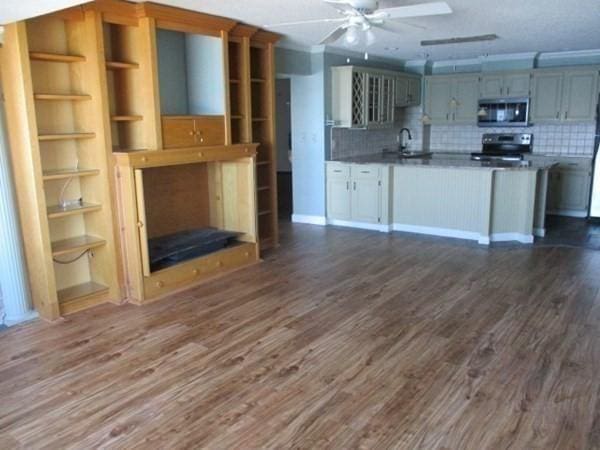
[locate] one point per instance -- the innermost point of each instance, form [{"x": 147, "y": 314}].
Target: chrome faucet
[{"x": 401, "y": 143}]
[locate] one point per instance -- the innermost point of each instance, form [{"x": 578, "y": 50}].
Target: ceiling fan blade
[
  {"x": 424, "y": 9},
  {"x": 396, "y": 26},
  {"x": 302, "y": 22},
  {"x": 340, "y": 5},
  {"x": 334, "y": 35}
]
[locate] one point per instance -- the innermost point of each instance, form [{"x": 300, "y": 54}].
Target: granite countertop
[{"x": 445, "y": 161}]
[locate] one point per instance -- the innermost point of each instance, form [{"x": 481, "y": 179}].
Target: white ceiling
[{"x": 522, "y": 25}]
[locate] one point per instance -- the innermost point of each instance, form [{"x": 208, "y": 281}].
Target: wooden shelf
[
  {"x": 62, "y": 97},
  {"x": 126, "y": 118},
  {"x": 264, "y": 213},
  {"x": 258, "y": 80},
  {"x": 65, "y": 136},
  {"x": 237, "y": 116},
  {"x": 263, "y": 163},
  {"x": 263, "y": 188},
  {"x": 55, "y": 57},
  {"x": 56, "y": 211},
  {"x": 81, "y": 292},
  {"x": 259, "y": 119},
  {"x": 76, "y": 244},
  {"x": 128, "y": 150},
  {"x": 121, "y": 65},
  {"x": 234, "y": 80},
  {"x": 62, "y": 174}
]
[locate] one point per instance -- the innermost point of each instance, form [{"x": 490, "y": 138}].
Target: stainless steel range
[{"x": 504, "y": 147}]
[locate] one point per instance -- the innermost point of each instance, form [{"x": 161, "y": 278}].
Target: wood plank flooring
[{"x": 340, "y": 339}]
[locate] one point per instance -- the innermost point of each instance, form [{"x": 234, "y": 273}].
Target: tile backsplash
[
  {"x": 569, "y": 140},
  {"x": 565, "y": 139},
  {"x": 349, "y": 142}
]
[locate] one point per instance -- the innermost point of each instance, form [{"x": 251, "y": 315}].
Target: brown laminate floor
[{"x": 340, "y": 339}]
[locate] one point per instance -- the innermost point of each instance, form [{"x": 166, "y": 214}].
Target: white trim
[
  {"x": 293, "y": 46},
  {"x": 568, "y": 54},
  {"x": 568, "y": 213},
  {"x": 519, "y": 237},
  {"x": 312, "y": 220},
  {"x": 539, "y": 232},
  {"x": 509, "y": 57},
  {"x": 28, "y": 315},
  {"x": 436, "y": 231},
  {"x": 361, "y": 225}
]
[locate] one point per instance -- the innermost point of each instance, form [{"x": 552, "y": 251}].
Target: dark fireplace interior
[{"x": 181, "y": 221}]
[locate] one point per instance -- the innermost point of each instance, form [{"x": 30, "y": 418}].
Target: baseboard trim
[
  {"x": 311, "y": 220},
  {"x": 568, "y": 213},
  {"x": 436, "y": 231},
  {"x": 361, "y": 225},
  {"x": 539, "y": 232},
  {"x": 505, "y": 237}
]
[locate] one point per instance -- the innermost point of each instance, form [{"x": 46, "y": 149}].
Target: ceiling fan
[{"x": 361, "y": 16}]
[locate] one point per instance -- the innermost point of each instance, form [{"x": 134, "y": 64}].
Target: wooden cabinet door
[
  {"x": 516, "y": 85},
  {"x": 465, "y": 99},
  {"x": 490, "y": 86},
  {"x": 178, "y": 132},
  {"x": 366, "y": 194},
  {"x": 373, "y": 100},
  {"x": 402, "y": 92},
  {"x": 141, "y": 225},
  {"x": 414, "y": 92},
  {"x": 209, "y": 130},
  {"x": 572, "y": 190},
  {"x": 580, "y": 95},
  {"x": 387, "y": 102},
  {"x": 437, "y": 100},
  {"x": 338, "y": 193},
  {"x": 547, "y": 96}
]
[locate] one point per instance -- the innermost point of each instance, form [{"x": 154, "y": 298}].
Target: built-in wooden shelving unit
[
  {"x": 262, "y": 91},
  {"x": 83, "y": 104},
  {"x": 53, "y": 89}
]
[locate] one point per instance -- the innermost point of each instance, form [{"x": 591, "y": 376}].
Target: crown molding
[{"x": 569, "y": 54}]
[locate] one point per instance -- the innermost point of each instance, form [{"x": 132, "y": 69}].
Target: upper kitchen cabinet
[
  {"x": 451, "y": 99},
  {"x": 560, "y": 96},
  {"x": 191, "y": 73},
  {"x": 408, "y": 91},
  {"x": 504, "y": 85},
  {"x": 363, "y": 97}
]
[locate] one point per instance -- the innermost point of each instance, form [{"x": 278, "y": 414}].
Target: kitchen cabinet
[
  {"x": 452, "y": 99},
  {"x": 408, "y": 91},
  {"x": 363, "y": 97},
  {"x": 504, "y": 85},
  {"x": 192, "y": 131},
  {"x": 569, "y": 184},
  {"x": 564, "y": 96},
  {"x": 358, "y": 193}
]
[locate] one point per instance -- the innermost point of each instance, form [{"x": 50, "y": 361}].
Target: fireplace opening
[{"x": 188, "y": 213}]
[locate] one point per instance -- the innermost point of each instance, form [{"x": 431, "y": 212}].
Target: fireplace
[{"x": 188, "y": 215}]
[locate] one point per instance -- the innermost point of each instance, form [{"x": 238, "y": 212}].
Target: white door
[{"x": 366, "y": 194}]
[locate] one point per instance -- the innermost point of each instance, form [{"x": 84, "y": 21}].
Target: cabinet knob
[
  {"x": 219, "y": 264},
  {"x": 200, "y": 154},
  {"x": 192, "y": 133},
  {"x": 140, "y": 224},
  {"x": 144, "y": 159},
  {"x": 195, "y": 272},
  {"x": 159, "y": 284}
]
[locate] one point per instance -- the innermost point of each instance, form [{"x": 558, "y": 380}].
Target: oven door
[{"x": 503, "y": 113}]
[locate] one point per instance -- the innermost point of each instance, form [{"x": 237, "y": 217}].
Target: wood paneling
[{"x": 176, "y": 199}]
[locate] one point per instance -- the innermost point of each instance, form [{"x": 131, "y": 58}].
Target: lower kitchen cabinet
[
  {"x": 569, "y": 184},
  {"x": 358, "y": 195}
]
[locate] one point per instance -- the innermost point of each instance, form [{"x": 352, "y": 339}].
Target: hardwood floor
[{"x": 340, "y": 339}]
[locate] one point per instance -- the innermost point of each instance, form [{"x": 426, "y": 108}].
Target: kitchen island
[{"x": 441, "y": 196}]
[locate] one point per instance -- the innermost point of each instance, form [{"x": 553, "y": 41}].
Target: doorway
[{"x": 284, "y": 147}]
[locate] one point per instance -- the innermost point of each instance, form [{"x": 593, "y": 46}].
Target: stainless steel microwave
[{"x": 503, "y": 112}]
